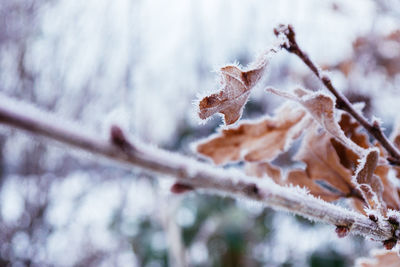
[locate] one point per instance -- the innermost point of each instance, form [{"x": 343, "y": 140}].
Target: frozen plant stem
[
  {"x": 341, "y": 101},
  {"x": 189, "y": 172}
]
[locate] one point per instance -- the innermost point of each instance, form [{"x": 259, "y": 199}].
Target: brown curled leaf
[
  {"x": 256, "y": 141},
  {"x": 351, "y": 129},
  {"x": 322, "y": 161},
  {"x": 390, "y": 190},
  {"x": 324, "y": 176},
  {"x": 322, "y": 108},
  {"x": 349, "y": 159},
  {"x": 380, "y": 258},
  {"x": 369, "y": 184},
  {"x": 236, "y": 84}
]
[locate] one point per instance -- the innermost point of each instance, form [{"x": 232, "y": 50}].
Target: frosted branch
[{"x": 188, "y": 172}]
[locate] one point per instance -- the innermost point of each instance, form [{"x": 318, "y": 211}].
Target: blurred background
[{"x": 141, "y": 64}]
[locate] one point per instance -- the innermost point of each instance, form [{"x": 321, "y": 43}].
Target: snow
[{"x": 12, "y": 201}]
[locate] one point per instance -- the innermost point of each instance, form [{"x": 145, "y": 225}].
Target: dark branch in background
[{"x": 341, "y": 101}]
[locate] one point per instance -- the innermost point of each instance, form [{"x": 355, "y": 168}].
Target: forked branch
[
  {"x": 191, "y": 174},
  {"x": 341, "y": 101}
]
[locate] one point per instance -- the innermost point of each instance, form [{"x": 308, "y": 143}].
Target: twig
[
  {"x": 176, "y": 249},
  {"x": 341, "y": 101},
  {"x": 190, "y": 172}
]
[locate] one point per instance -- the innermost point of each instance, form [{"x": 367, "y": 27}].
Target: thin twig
[
  {"x": 176, "y": 249},
  {"x": 190, "y": 172},
  {"x": 341, "y": 101}
]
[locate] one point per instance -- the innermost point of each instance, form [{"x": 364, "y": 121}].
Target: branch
[
  {"x": 191, "y": 173},
  {"x": 341, "y": 101}
]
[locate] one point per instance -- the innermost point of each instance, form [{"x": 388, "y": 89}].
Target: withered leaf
[
  {"x": 363, "y": 46},
  {"x": 302, "y": 179},
  {"x": 324, "y": 175},
  {"x": 390, "y": 190},
  {"x": 380, "y": 258},
  {"x": 330, "y": 166},
  {"x": 351, "y": 129},
  {"x": 236, "y": 84},
  {"x": 256, "y": 141},
  {"x": 322, "y": 108},
  {"x": 296, "y": 177},
  {"x": 323, "y": 162},
  {"x": 365, "y": 171},
  {"x": 369, "y": 184},
  {"x": 261, "y": 169},
  {"x": 349, "y": 159}
]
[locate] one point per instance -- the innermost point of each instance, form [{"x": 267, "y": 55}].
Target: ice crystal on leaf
[
  {"x": 236, "y": 85},
  {"x": 260, "y": 140},
  {"x": 322, "y": 108},
  {"x": 368, "y": 183}
]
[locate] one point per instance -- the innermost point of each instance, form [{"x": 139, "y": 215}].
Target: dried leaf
[
  {"x": 301, "y": 178},
  {"x": 390, "y": 191},
  {"x": 365, "y": 171},
  {"x": 295, "y": 178},
  {"x": 324, "y": 175},
  {"x": 380, "y": 258},
  {"x": 256, "y": 141},
  {"x": 323, "y": 162},
  {"x": 322, "y": 108},
  {"x": 349, "y": 159},
  {"x": 351, "y": 129},
  {"x": 330, "y": 166},
  {"x": 261, "y": 169},
  {"x": 372, "y": 45},
  {"x": 235, "y": 90},
  {"x": 367, "y": 182}
]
